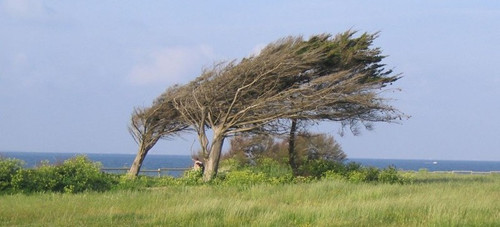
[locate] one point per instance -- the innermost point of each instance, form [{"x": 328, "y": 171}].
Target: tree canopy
[{"x": 334, "y": 78}]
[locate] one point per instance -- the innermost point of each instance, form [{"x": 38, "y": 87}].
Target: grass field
[{"x": 433, "y": 200}]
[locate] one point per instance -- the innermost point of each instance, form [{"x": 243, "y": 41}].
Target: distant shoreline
[
  {"x": 155, "y": 161},
  {"x": 156, "y": 154}
]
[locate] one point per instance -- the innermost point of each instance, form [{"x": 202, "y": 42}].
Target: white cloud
[
  {"x": 172, "y": 64},
  {"x": 24, "y": 8}
]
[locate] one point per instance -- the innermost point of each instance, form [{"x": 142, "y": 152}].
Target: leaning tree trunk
[
  {"x": 292, "y": 155},
  {"x": 139, "y": 158},
  {"x": 212, "y": 163}
]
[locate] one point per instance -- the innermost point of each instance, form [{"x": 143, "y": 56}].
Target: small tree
[
  {"x": 148, "y": 125},
  {"x": 319, "y": 147},
  {"x": 247, "y": 148}
]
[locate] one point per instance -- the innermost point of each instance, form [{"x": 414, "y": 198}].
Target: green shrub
[
  {"x": 272, "y": 168},
  {"x": 244, "y": 177},
  {"x": 229, "y": 164},
  {"x": 72, "y": 176},
  {"x": 265, "y": 170},
  {"x": 407, "y": 178},
  {"x": 334, "y": 175},
  {"x": 357, "y": 176},
  {"x": 43, "y": 178},
  {"x": 390, "y": 175},
  {"x": 352, "y": 166},
  {"x": 317, "y": 168},
  {"x": 80, "y": 174},
  {"x": 353, "y": 172},
  {"x": 369, "y": 174},
  {"x": 192, "y": 177},
  {"x": 8, "y": 168}
]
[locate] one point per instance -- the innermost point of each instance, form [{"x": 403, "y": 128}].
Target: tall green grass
[{"x": 432, "y": 200}]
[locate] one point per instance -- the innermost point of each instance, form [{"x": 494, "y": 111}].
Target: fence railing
[
  {"x": 165, "y": 171},
  {"x": 467, "y": 172},
  {"x": 159, "y": 172}
]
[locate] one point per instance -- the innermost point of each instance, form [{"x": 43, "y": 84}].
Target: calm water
[{"x": 179, "y": 161}]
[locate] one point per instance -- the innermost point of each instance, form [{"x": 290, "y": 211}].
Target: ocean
[{"x": 154, "y": 162}]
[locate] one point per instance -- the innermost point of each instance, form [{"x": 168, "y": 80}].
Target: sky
[{"x": 71, "y": 72}]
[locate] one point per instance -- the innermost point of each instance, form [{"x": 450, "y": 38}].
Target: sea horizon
[
  {"x": 348, "y": 158},
  {"x": 124, "y": 160}
]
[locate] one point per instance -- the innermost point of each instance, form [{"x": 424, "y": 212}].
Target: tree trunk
[
  {"x": 212, "y": 163},
  {"x": 292, "y": 155},
  {"x": 139, "y": 158}
]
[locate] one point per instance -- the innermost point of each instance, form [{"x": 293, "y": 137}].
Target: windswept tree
[
  {"x": 323, "y": 78},
  {"x": 232, "y": 98},
  {"x": 148, "y": 125},
  {"x": 356, "y": 55}
]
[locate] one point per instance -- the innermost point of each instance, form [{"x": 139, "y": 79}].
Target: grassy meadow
[{"x": 432, "y": 200}]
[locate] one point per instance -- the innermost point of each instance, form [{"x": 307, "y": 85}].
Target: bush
[
  {"x": 334, "y": 175},
  {"x": 272, "y": 168},
  {"x": 229, "y": 164},
  {"x": 390, "y": 175},
  {"x": 370, "y": 174},
  {"x": 264, "y": 170},
  {"x": 244, "y": 177},
  {"x": 44, "y": 178},
  {"x": 72, "y": 176},
  {"x": 80, "y": 174},
  {"x": 407, "y": 178},
  {"x": 8, "y": 168},
  {"x": 192, "y": 177},
  {"x": 353, "y": 172},
  {"x": 318, "y": 168}
]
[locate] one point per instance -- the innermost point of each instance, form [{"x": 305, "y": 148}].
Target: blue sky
[{"x": 71, "y": 72}]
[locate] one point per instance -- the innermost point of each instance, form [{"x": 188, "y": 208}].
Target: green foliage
[
  {"x": 72, "y": 176},
  {"x": 317, "y": 168},
  {"x": 8, "y": 168},
  {"x": 355, "y": 173},
  {"x": 391, "y": 175},
  {"x": 265, "y": 170},
  {"x": 192, "y": 177},
  {"x": 79, "y": 174},
  {"x": 229, "y": 164},
  {"x": 369, "y": 174},
  {"x": 44, "y": 178},
  {"x": 271, "y": 168},
  {"x": 244, "y": 177},
  {"x": 250, "y": 149}
]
